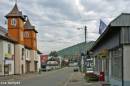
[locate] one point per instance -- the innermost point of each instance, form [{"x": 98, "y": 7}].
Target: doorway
[
  {"x": 6, "y": 69},
  {"x": 22, "y": 69}
]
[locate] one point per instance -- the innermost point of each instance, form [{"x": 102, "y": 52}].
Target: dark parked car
[{"x": 76, "y": 69}]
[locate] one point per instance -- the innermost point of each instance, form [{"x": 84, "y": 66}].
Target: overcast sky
[{"x": 57, "y": 20}]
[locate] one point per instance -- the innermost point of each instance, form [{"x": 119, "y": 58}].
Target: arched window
[{"x": 13, "y": 22}]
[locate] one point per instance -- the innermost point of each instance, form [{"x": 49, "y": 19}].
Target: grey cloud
[
  {"x": 57, "y": 20},
  {"x": 64, "y": 7}
]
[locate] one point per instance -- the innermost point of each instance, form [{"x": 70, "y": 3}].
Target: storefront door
[{"x": 6, "y": 69}]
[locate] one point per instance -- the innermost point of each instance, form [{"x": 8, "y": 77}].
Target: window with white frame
[
  {"x": 26, "y": 53},
  {"x": 23, "y": 53},
  {"x": 9, "y": 48},
  {"x": 13, "y": 22}
]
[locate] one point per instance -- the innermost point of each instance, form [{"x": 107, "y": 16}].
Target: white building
[
  {"x": 39, "y": 60},
  {"x": 6, "y": 54}
]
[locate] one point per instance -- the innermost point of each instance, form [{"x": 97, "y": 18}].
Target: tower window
[
  {"x": 13, "y": 22},
  {"x": 26, "y": 34}
]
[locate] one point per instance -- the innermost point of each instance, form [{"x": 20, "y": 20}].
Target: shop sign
[
  {"x": 103, "y": 53},
  {"x": 9, "y": 56},
  {"x": 8, "y": 61}
]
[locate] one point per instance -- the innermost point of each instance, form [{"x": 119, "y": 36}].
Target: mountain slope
[{"x": 76, "y": 49}]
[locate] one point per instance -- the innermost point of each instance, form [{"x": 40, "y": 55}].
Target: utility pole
[
  {"x": 83, "y": 56},
  {"x": 85, "y": 28}
]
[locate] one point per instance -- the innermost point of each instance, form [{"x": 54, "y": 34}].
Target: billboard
[{"x": 44, "y": 59}]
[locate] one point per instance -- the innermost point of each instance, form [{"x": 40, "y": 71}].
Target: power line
[
  {"x": 65, "y": 22},
  {"x": 54, "y": 41}
]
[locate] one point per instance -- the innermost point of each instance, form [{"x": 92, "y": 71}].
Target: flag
[{"x": 102, "y": 27}]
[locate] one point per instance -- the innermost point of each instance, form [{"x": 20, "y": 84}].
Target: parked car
[
  {"x": 73, "y": 64},
  {"x": 48, "y": 68},
  {"x": 76, "y": 69},
  {"x": 43, "y": 67}
]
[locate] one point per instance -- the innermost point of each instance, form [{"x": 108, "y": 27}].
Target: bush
[{"x": 91, "y": 77}]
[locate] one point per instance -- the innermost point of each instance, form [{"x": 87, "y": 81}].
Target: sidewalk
[
  {"x": 18, "y": 77},
  {"x": 24, "y": 76},
  {"x": 77, "y": 79}
]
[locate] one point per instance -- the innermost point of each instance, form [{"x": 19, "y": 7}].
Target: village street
[
  {"x": 64, "y": 43},
  {"x": 61, "y": 77},
  {"x": 52, "y": 78}
]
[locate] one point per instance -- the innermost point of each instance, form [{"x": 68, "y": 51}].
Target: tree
[{"x": 53, "y": 54}]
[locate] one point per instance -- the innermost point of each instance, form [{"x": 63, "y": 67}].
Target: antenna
[{"x": 16, "y": 1}]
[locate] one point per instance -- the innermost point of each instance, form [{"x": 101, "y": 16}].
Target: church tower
[
  {"x": 16, "y": 24},
  {"x": 30, "y": 41},
  {"x": 30, "y": 35}
]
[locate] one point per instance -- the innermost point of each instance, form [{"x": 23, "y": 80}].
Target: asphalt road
[
  {"x": 52, "y": 78},
  {"x": 61, "y": 77}
]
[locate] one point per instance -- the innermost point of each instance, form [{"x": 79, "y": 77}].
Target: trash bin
[{"x": 101, "y": 76}]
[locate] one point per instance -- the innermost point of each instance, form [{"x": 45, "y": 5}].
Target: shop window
[
  {"x": 0, "y": 67},
  {"x": 99, "y": 65},
  {"x": 10, "y": 67},
  {"x": 96, "y": 64},
  {"x": 116, "y": 66}
]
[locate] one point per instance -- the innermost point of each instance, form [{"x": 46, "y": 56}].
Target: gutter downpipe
[
  {"x": 14, "y": 59},
  {"x": 122, "y": 66}
]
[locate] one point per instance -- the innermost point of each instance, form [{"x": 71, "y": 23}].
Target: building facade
[
  {"x": 19, "y": 47},
  {"x": 6, "y": 54},
  {"x": 111, "y": 52}
]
